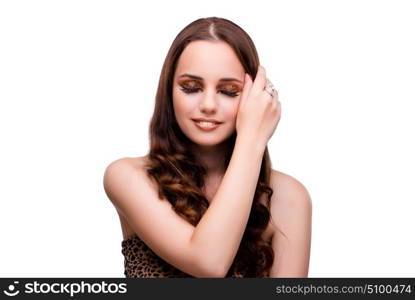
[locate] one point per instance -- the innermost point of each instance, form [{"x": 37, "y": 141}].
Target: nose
[{"x": 208, "y": 102}]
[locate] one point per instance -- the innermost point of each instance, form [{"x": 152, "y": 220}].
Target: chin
[
  {"x": 208, "y": 142},
  {"x": 207, "y": 139}
]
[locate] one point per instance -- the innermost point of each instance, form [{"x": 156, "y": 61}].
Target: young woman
[{"x": 204, "y": 202}]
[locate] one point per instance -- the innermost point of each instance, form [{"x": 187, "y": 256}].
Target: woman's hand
[{"x": 258, "y": 111}]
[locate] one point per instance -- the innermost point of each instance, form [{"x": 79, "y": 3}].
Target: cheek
[
  {"x": 183, "y": 107},
  {"x": 179, "y": 105},
  {"x": 232, "y": 110}
]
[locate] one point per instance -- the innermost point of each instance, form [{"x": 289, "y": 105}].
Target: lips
[
  {"x": 207, "y": 120},
  {"x": 206, "y": 125}
]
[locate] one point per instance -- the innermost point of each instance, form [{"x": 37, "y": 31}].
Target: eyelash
[{"x": 193, "y": 90}]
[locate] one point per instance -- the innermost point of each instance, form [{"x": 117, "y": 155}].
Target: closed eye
[{"x": 194, "y": 90}]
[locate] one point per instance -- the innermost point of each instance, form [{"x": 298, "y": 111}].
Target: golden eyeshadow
[
  {"x": 195, "y": 84},
  {"x": 230, "y": 87},
  {"x": 189, "y": 83}
]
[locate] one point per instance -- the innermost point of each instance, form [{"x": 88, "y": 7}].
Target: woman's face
[{"x": 207, "y": 84}]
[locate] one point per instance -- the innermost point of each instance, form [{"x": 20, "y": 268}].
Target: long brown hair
[{"x": 179, "y": 177}]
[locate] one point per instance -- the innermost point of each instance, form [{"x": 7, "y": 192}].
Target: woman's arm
[
  {"x": 219, "y": 232},
  {"x": 291, "y": 211},
  {"x": 208, "y": 249}
]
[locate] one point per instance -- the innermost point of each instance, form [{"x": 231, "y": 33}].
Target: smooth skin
[{"x": 208, "y": 249}]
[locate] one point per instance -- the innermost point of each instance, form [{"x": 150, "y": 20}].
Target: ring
[{"x": 271, "y": 89}]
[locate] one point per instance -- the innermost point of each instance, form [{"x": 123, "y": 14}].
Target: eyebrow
[{"x": 226, "y": 79}]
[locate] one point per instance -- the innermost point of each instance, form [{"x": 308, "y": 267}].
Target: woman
[{"x": 205, "y": 202}]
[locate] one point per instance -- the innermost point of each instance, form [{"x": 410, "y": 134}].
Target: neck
[{"x": 211, "y": 157}]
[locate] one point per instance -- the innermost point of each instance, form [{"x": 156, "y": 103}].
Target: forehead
[{"x": 211, "y": 60}]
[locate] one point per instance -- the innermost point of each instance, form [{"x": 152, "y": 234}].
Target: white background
[{"x": 77, "y": 88}]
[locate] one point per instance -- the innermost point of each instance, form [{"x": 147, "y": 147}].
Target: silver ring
[{"x": 271, "y": 89}]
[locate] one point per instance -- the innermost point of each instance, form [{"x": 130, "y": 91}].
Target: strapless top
[{"x": 141, "y": 262}]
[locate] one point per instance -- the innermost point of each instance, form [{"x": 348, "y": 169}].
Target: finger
[
  {"x": 275, "y": 91},
  {"x": 260, "y": 79},
  {"x": 267, "y": 82},
  {"x": 276, "y": 96},
  {"x": 246, "y": 88}
]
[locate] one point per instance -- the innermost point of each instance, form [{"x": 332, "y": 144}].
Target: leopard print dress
[{"x": 141, "y": 262}]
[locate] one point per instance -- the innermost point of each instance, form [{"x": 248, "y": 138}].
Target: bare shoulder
[
  {"x": 290, "y": 200},
  {"x": 125, "y": 164},
  {"x": 291, "y": 214},
  {"x": 131, "y": 162},
  {"x": 122, "y": 170},
  {"x": 288, "y": 189}
]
